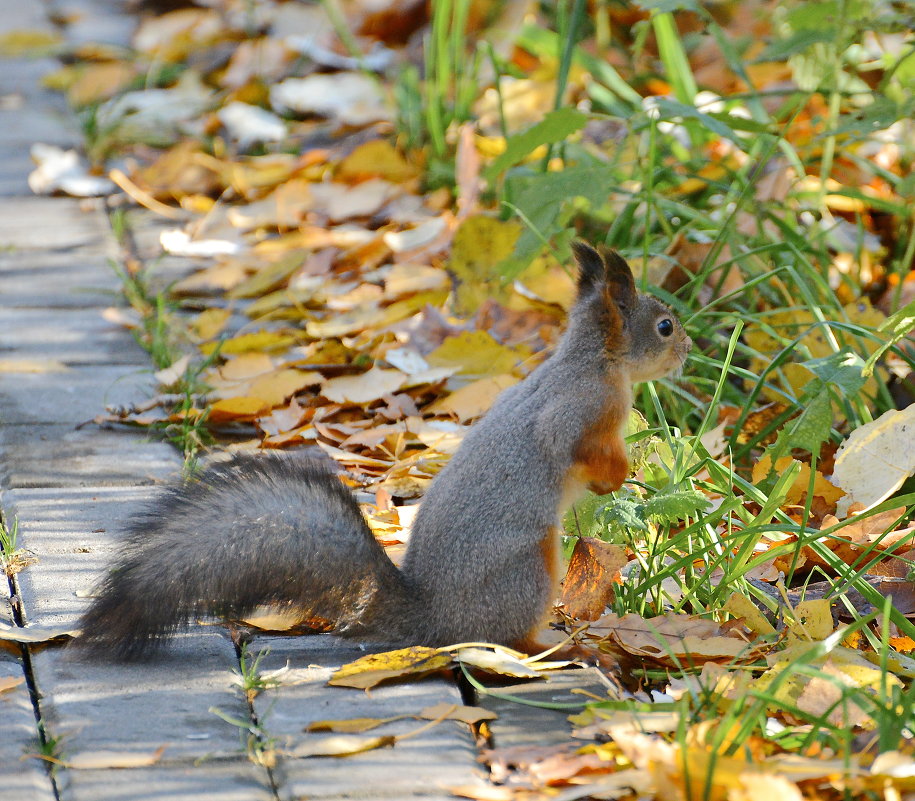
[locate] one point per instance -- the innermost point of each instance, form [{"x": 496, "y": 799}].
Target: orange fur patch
[{"x": 601, "y": 459}]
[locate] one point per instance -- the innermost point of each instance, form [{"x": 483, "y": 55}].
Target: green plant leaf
[
  {"x": 676, "y": 506},
  {"x": 798, "y": 42},
  {"x": 540, "y": 201},
  {"x": 625, "y": 513},
  {"x": 842, "y": 369},
  {"x": 554, "y": 127},
  {"x": 812, "y": 428}
]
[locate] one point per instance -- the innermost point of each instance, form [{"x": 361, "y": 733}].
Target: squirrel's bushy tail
[{"x": 271, "y": 528}]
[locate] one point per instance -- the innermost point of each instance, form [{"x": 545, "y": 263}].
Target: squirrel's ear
[
  {"x": 620, "y": 282},
  {"x": 591, "y": 269}
]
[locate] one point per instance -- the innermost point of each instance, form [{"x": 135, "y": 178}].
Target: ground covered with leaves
[{"x": 366, "y": 211}]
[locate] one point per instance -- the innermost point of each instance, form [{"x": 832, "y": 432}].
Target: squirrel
[{"x": 483, "y": 560}]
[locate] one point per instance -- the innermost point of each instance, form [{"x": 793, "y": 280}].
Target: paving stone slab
[
  {"x": 73, "y": 532},
  {"x": 531, "y": 726},
  {"x": 69, "y": 395},
  {"x": 71, "y": 336},
  {"x": 94, "y": 21},
  {"x": 138, "y": 708},
  {"x": 52, "y": 224},
  {"x": 19, "y": 15},
  {"x": 20, "y": 779},
  {"x": 63, "y": 456},
  {"x": 206, "y": 781},
  {"x": 421, "y": 767},
  {"x": 72, "y": 279}
]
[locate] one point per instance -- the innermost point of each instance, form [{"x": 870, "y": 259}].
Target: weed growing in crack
[{"x": 13, "y": 559}]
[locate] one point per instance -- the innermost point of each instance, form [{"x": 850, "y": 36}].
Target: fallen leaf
[
  {"x": 678, "y": 640},
  {"x": 340, "y": 745},
  {"x": 467, "y": 714},
  {"x": 353, "y": 725},
  {"x": 60, "y": 170},
  {"x": 875, "y": 459},
  {"x": 365, "y": 388},
  {"x": 234, "y": 410},
  {"x": 257, "y": 341},
  {"x": 350, "y": 97},
  {"x": 369, "y": 670},
  {"x": 474, "y": 353},
  {"x": 95, "y": 760},
  {"x": 474, "y": 399},
  {"x": 8, "y": 683},
  {"x": 594, "y": 570},
  {"x": 496, "y": 661},
  {"x": 35, "y": 634}
]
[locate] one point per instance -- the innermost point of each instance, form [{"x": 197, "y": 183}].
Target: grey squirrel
[{"x": 483, "y": 560}]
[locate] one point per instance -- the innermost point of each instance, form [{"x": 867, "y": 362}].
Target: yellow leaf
[
  {"x": 213, "y": 279},
  {"x": 474, "y": 353},
  {"x": 374, "y": 668},
  {"x": 376, "y": 159},
  {"x": 236, "y": 410},
  {"x": 406, "y": 279},
  {"x": 270, "y": 276},
  {"x": 822, "y": 487},
  {"x": 23, "y": 42},
  {"x": 209, "y": 323},
  {"x": 350, "y": 322},
  {"x": 245, "y": 366},
  {"x": 353, "y": 725},
  {"x": 272, "y": 619},
  {"x": 742, "y": 607},
  {"x": 340, "y": 745},
  {"x": 474, "y": 399},
  {"x": 812, "y": 620},
  {"x": 258, "y": 340},
  {"x": 97, "y": 82},
  {"x": 480, "y": 244},
  {"x": 284, "y": 304},
  {"x": 274, "y": 388}
]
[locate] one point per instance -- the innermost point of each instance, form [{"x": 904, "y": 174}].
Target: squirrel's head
[{"x": 638, "y": 329}]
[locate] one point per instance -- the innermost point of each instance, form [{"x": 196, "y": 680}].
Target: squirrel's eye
[{"x": 665, "y": 327}]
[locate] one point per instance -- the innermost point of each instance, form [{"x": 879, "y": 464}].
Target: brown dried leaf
[{"x": 593, "y": 571}]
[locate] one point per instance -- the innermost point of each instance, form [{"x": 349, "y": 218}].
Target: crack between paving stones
[{"x": 19, "y": 620}]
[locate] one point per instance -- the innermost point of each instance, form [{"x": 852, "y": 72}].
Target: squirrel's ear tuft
[
  {"x": 620, "y": 282},
  {"x": 591, "y": 269}
]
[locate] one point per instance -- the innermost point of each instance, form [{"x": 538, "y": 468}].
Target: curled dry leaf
[
  {"x": 95, "y": 760},
  {"x": 593, "y": 572},
  {"x": 35, "y": 634},
  {"x": 340, "y": 745},
  {"x": 496, "y": 661},
  {"x": 8, "y": 683},
  {"x": 60, "y": 170},
  {"x": 677, "y": 640}
]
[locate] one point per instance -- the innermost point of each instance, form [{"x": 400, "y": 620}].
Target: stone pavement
[{"x": 71, "y": 489}]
